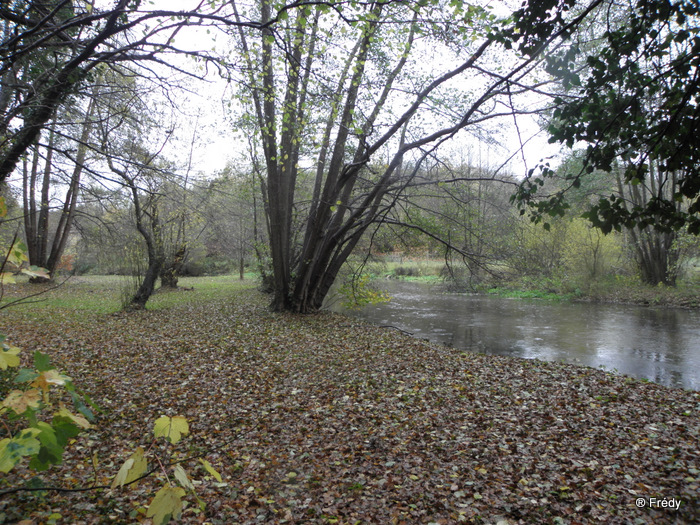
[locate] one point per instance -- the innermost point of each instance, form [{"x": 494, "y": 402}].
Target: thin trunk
[
  {"x": 154, "y": 249},
  {"x": 43, "y": 223},
  {"x": 29, "y": 200},
  {"x": 65, "y": 222}
]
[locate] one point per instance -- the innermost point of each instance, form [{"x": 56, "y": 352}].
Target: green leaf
[
  {"x": 182, "y": 477},
  {"x": 65, "y": 429},
  {"x": 18, "y": 254},
  {"x": 171, "y": 429},
  {"x": 26, "y": 375},
  {"x": 42, "y": 362},
  {"x": 166, "y": 505},
  {"x": 132, "y": 469},
  {"x": 51, "y": 451},
  {"x": 73, "y": 418},
  {"x": 23, "y": 444}
]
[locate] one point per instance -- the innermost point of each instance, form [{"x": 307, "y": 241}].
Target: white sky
[{"x": 218, "y": 143}]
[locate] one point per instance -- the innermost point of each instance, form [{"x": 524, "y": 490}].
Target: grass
[
  {"x": 101, "y": 294},
  {"x": 408, "y": 269},
  {"x": 532, "y": 294}
]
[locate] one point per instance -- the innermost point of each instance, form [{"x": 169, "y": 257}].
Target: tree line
[{"x": 349, "y": 134}]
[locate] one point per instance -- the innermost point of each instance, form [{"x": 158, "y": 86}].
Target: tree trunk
[
  {"x": 138, "y": 302},
  {"x": 169, "y": 273}
]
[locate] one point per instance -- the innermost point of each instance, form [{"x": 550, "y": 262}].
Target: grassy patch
[
  {"x": 408, "y": 269},
  {"x": 101, "y": 294},
  {"x": 531, "y": 294}
]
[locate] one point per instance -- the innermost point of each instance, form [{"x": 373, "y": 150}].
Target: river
[{"x": 659, "y": 344}]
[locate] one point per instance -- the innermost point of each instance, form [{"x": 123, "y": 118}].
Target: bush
[
  {"x": 210, "y": 265},
  {"x": 406, "y": 271}
]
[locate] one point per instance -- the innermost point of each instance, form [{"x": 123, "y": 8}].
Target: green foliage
[
  {"x": 633, "y": 103},
  {"x": 25, "y": 413},
  {"x": 359, "y": 292},
  {"x": 166, "y": 505},
  {"x": 570, "y": 251},
  {"x": 588, "y": 252}
]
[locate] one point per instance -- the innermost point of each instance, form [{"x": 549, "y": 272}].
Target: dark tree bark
[
  {"x": 655, "y": 250},
  {"x": 357, "y": 123},
  {"x": 169, "y": 273},
  {"x": 154, "y": 246}
]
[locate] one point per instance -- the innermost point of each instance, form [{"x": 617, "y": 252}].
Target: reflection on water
[{"x": 662, "y": 345}]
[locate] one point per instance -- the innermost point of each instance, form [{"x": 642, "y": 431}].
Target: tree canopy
[{"x": 631, "y": 98}]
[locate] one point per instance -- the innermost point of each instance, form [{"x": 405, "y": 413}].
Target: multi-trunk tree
[
  {"x": 342, "y": 91},
  {"x": 51, "y": 183}
]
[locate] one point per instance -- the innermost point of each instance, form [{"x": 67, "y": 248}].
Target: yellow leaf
[
  {"x": 9, "y": 357},
  {"x": 48, "y": 378},
  {"x": 171, "y": 428},
  {"x": 133, "y": 468},
  {"x": 182, "y": 478},
  {"x": 19, "y": 401},
  {"x": 166, "y": 505},
  {"x": 35, "y": 271},
  {"x": 210, "y": 469},
  {"x": 78, "y": 420},
  {"x": 54, "y": 377}
]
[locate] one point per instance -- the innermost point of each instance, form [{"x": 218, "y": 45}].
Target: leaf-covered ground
[{"x": 323, "y": 419}]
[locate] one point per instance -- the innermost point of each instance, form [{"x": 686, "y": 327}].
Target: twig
[
  {"x": 396, "y": 328},
  {"x": 24, "y": 299}
]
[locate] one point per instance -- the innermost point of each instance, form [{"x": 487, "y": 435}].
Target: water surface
[{"x": 659, "y": 344}]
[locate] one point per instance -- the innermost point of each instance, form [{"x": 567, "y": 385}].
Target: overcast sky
[{"x": 217, "y": 142}]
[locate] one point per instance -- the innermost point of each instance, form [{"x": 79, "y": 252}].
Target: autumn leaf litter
[{"x": 324, "y": 419}]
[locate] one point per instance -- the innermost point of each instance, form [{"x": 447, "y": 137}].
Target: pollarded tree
[
  {"x": 131, "y": 139},
  {"x": 343, "y": 88}
]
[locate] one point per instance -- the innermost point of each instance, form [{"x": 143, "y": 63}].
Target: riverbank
[
  {"x": 324, "y": 419},
  {"x": 612, "y": 290},
  {"x": 604, "y": 292}
]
